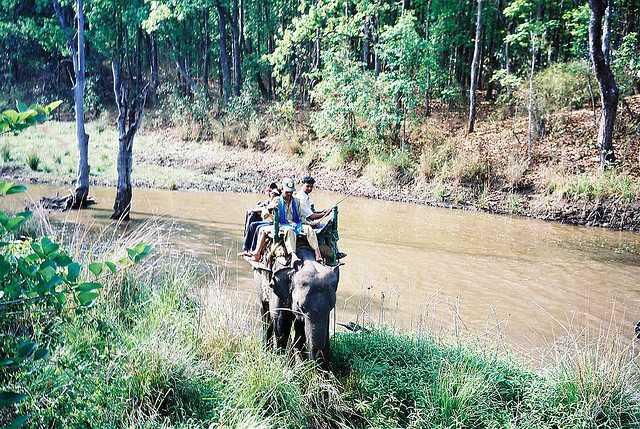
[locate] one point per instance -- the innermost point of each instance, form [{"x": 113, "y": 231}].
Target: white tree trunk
[
  {"x": 81, "y": 192},
  {"x": 474, "y": 70},
  {"x": 82, "y": 181}
]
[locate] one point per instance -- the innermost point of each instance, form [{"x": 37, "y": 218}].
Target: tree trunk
[
  {"x": 606, "y": 81},
  {"x": 365, "y": 42},
  {"x": 474, "y": 70},
  {"x": 82, "y": 181},
  {"x": 207, "y": 52},
  {"x": 224, "y": 55},
  {"x": 122, "y": 204},
  {"x": 235, "y": 45},
  {"x": 81, "y": 192},
  {"x": 530, "y": 105},
  {"x": 270, "y": 47},
  {"x": 606, "y": 36},
  {"x": 130, "y": 104},
  {"x": 154, "y": 66},
  {"x": 427, "y": 95}
]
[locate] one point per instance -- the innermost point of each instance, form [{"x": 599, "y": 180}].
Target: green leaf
[
  {"x": 11, "y": 116},
  {"x": 63, "y": 260},
  {"x": 96, "y": 268},
  {"x": 9, "y": 398},
  {"x": 47, "y": 273},
  {"x": 5, "y": 186},
  {"x": 5, "y": 267},
  {"x": 16, "y": 189},
  {"x": 73, "y": 271},
  {"x": 88, "y": 286},
  {"x": 87, "y": 298},
  {"x": 138, "y": 252},
  {"x": 18, "y": 422},
  {"x": 14, "y": 223},
  {"x": 26, "y": 214},
  {"x": 61, "y": 298},
  {"x": 111, "y": 266},
  {"x": 53, "y": 105},
  {"x": 48, "y": 246}
]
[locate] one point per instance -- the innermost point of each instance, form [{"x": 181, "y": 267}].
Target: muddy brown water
[{"x": 417, "y": 267}]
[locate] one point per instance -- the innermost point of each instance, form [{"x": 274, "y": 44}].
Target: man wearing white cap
[{"x": 292, "y": 222}]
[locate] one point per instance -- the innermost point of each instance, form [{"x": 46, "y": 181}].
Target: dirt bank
[{"x": 561, "y": 183}]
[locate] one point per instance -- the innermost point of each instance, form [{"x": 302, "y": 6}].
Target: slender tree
[
  {"x": 81, "y": 192},
  {"x": 474, "y": 70},
  {"x": 130, "y": 88},
  {"x": 225, "y": 68},
  {"x": 236, "y": 37},
  {"x": 606, "y": 80},
  {"x": 130, "y": 101}
]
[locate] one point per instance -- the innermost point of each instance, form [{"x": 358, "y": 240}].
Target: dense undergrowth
[{"x": 167, "y": 345}]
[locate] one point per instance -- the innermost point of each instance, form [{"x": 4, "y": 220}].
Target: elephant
[{"x": 300, "y": 294}]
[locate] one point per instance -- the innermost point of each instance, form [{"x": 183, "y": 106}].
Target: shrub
[
  {"x": 469, "y": 167},
  {"x": 560, "y": 86},
  {"x": 397, "y": 381},
  {"x": 515, "y": 203},
  {"x": 256, "y": 131},
  {"x": 514, "y": 170},
  {"x": 33, "y": 161},
  {"x": 192, "y": 113},
  {"x": 440, "y": 192},
  {"x": 435, "y": 156},
  {"x": 386, "y": 171},
  {"x": 626, "y": 65},
  {"x": 234, "y": 134},
  {"x": 291, "y": 143}
]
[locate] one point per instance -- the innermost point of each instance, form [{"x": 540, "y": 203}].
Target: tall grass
[
  {"x": 169, "y": 344},
  {"x": 592, "y": 186}
]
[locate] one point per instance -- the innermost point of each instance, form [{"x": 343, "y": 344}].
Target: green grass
[
  {"x": 167, "y": 345},
  {"x": 33, "y": 161},
  {"x": 6, "y": 153},
  {"x": 595, "y": 186},
  {"x": 387, "y": 170},
  {"x": 57, "y": 160}
]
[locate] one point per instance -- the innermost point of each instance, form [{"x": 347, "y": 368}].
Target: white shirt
[{"x": 306, "y": 203}]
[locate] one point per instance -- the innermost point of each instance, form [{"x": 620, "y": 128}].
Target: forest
[{"x": 391, "y": 91}]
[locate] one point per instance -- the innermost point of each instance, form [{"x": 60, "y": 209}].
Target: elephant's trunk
[{"x": 317, "y": 335}]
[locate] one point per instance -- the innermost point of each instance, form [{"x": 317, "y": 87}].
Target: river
[{"x": 524, "y": 281}]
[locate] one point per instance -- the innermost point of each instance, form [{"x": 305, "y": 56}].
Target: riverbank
[
  {"x": 486, "y": 171},
  {"x": 168, "y": 344}
]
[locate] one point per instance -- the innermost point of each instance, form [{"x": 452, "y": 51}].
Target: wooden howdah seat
[{"x": 327, "y": 234}]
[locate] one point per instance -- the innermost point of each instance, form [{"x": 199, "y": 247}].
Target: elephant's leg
[
  {"x": 299, "y": 338},
  {"x": 267, "y": 324},
  {"x": 283, "y": 323}
]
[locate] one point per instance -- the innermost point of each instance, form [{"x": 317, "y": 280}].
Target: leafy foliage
[
  {"x": 15, "y": 121},
  {"x": 40, "y": 284}
]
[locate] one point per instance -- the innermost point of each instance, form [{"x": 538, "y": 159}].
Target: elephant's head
[{"x": 313, "y": 297}]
